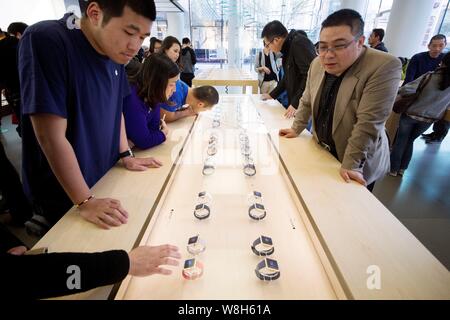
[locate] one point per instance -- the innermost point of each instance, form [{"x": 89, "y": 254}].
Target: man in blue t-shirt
[
  {"x": 72, "y": 85},
  {"x": 186, "y": 101}
]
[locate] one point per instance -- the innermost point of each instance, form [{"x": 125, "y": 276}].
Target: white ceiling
[{"x": 168, "y": 6}]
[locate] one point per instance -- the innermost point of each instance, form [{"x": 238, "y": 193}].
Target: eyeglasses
[{"x": 322, "y": 50}]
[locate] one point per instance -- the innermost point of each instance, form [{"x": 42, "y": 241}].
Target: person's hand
[
  {"x": 290, "y": 112},
  {"x": 105, "y": 213},
  {"x": 266, "y": 70},
  {"x": 349, "y": 175},
  {"x": 288, "y": 133},
  {"x": 191, "y": 110},
  {"x": 145, "y": 261},
  {"x": 266, "y": 96},
  {"x": 18, "y": 251},
  {"x": 164, "y": 128},
  {"x": 141, "y": 164}
]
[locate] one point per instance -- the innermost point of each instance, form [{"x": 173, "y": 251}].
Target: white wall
[{"x": 29, "y": 11}]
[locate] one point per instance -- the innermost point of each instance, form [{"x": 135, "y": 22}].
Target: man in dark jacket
[
  {"x": 188, "y": 62},
  {"x": 298, "y": 53},
  {"x": 376, "y": 40}
]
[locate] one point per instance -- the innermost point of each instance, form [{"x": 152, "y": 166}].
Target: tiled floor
[{"x": 420, "y": 200}]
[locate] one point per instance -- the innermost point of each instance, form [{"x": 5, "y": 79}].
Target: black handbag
[{"x": 402, "y": 103}]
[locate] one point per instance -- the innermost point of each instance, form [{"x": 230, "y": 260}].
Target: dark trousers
[
  {"x": 440, "y": 129},
  {"x": 12, "y": 190},
  {"x": 13, "y": 100},
  {"x": 187, "y": 78},
  {"x": 7, "y": 240},
  {"x": 408, "y": 131}
]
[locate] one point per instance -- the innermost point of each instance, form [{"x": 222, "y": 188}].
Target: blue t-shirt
[
  {"x": 178, "y": 97},
  {"x": 62, "y": 74}
]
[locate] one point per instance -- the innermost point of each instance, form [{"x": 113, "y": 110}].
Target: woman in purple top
[{"x": 153, "y": 84}]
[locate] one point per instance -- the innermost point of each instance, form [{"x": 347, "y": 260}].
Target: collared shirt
[{"x": 325, "y": 116}]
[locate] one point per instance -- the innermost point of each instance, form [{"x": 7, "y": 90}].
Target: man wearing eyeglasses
[
  {"x": 298, "y": 53},
  {"x": 349, "y": 94}
]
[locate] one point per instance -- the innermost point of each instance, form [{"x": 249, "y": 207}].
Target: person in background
[
  {"x": 376, "y": 40},
  {"x": 188, "y": 61},
  {"x": 78, "y": 81},
  {"x": 429, "y": 107},
  {"x": 267, "y": 69},
  {"x": 349, "y": 94},
  {"x": 16, "y": 29},
  {"x": 298, "y": 53},
  {"x": 155, "y": 46},
  {"x": 154, "y": 84}
]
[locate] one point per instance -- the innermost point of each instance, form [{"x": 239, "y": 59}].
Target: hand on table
[
  {"x": 349, "y": 175},
  {"x": 145, "y": 261},
  {"x": 105, "y": 213},
  {"x": 288, "y": 133}
]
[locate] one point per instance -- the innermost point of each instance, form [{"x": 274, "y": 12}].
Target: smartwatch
[
  {"x": 208, "y": 167},
  {"x": 249, "y": 170},
  {"x": 196, "y": 245},
  {"x": 202, "y": 212},
  {"x": 192, "y": 270},
  {"x": 263, "y": 246},
  {"x": 254, "y": 197},
  {"x": 216, "y": 123},
  {"x": 125, "y": 154},
  {"x": 257, "y": 211},
  {"x": 212, "y": 150},
  {"x": 204, "y": 198},
  {"x": 267, "y": 270}
]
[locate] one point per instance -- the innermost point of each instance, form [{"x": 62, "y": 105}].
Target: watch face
[
  {"x": 266, "y": 240},
  {"x": 272, "y": 264},
  {"x": 193, "y": 240},
  {"x": 199, "y": 207},
  {"x": 259, "y": 206},
  {"x": 201, "y": 194},
  {"x": 257, "y": 194},
  {"x": 189, "y": 263}
]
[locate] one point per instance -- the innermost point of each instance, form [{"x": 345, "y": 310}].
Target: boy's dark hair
[
  {"x": 114, "y": 8},
  {"x": 185, "y": 41},
  {"x": 274, "y": 29},
  {"x": 439, "y": 37},
  {"x": 167, "y": 43},
  {"x": 445, "y": 83},
  {"x": 153, "y": 41},
  {"x": 17, "y": 27},
  {"x": 206, "y": 94},
  {"x": 153, "y": 77},
  {"x": 379, "y": 33},
  {"x": 345, "y": 17}
]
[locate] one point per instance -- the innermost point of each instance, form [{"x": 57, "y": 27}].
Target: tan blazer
[{"x": 363, "y": 104}]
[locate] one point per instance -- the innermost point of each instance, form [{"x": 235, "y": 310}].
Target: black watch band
[{"x": 125, "y": 154}]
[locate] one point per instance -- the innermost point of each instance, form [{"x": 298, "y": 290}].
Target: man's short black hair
[
  {"x": 439, "y": 37},
  {"x": 114, "y": 8},
  {"x": 379, "y": 33},
  {"x": 207, "y": 94},
  {"x": 274, "y": 29},
  {"x": 185, "y": 41},
  {"x": 17, "y": 27},
  {"x": 346, "y": 17}
]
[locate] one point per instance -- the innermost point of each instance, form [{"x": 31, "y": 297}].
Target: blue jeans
[{"x": 409, "y": 130}]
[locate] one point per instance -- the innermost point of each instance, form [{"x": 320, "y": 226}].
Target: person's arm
[
  {"x": 139, "y": 131},
  {"x": 411, "y": 70},
  {"x": 279, "y": 89},
  {"x": 372, "y": 112},
  {"x": 193, "y": 56},
  {"x": 177, "y": 115},
  {"x": 58, "y": 274},
  {"x": 50, "y": 131},
  {"x": 303, "y": 53}
]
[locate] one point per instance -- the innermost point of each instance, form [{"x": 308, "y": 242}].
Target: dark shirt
[
  {"x": 298, "y": 53},
  {"x": 271, "y": 76},
  {"x": 63, "y": 75},
  {"x": 420, "y": 64},
  {"x": 325, "y": 116},
  {"x": 47, "y": 275},
  {"x": 9, "y": 76},
  {"x": 381, "y": 47}
]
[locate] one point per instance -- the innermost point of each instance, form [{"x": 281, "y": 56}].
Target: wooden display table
[
  {"x": 227, "y": 77},
  {"x": 332, "y": 240}
]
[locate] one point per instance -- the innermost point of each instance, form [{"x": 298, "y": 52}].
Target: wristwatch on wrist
[{"x": 127, "y": 153}]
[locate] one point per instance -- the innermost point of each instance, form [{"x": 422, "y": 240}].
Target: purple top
[{"x": 141, "y": 122}]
